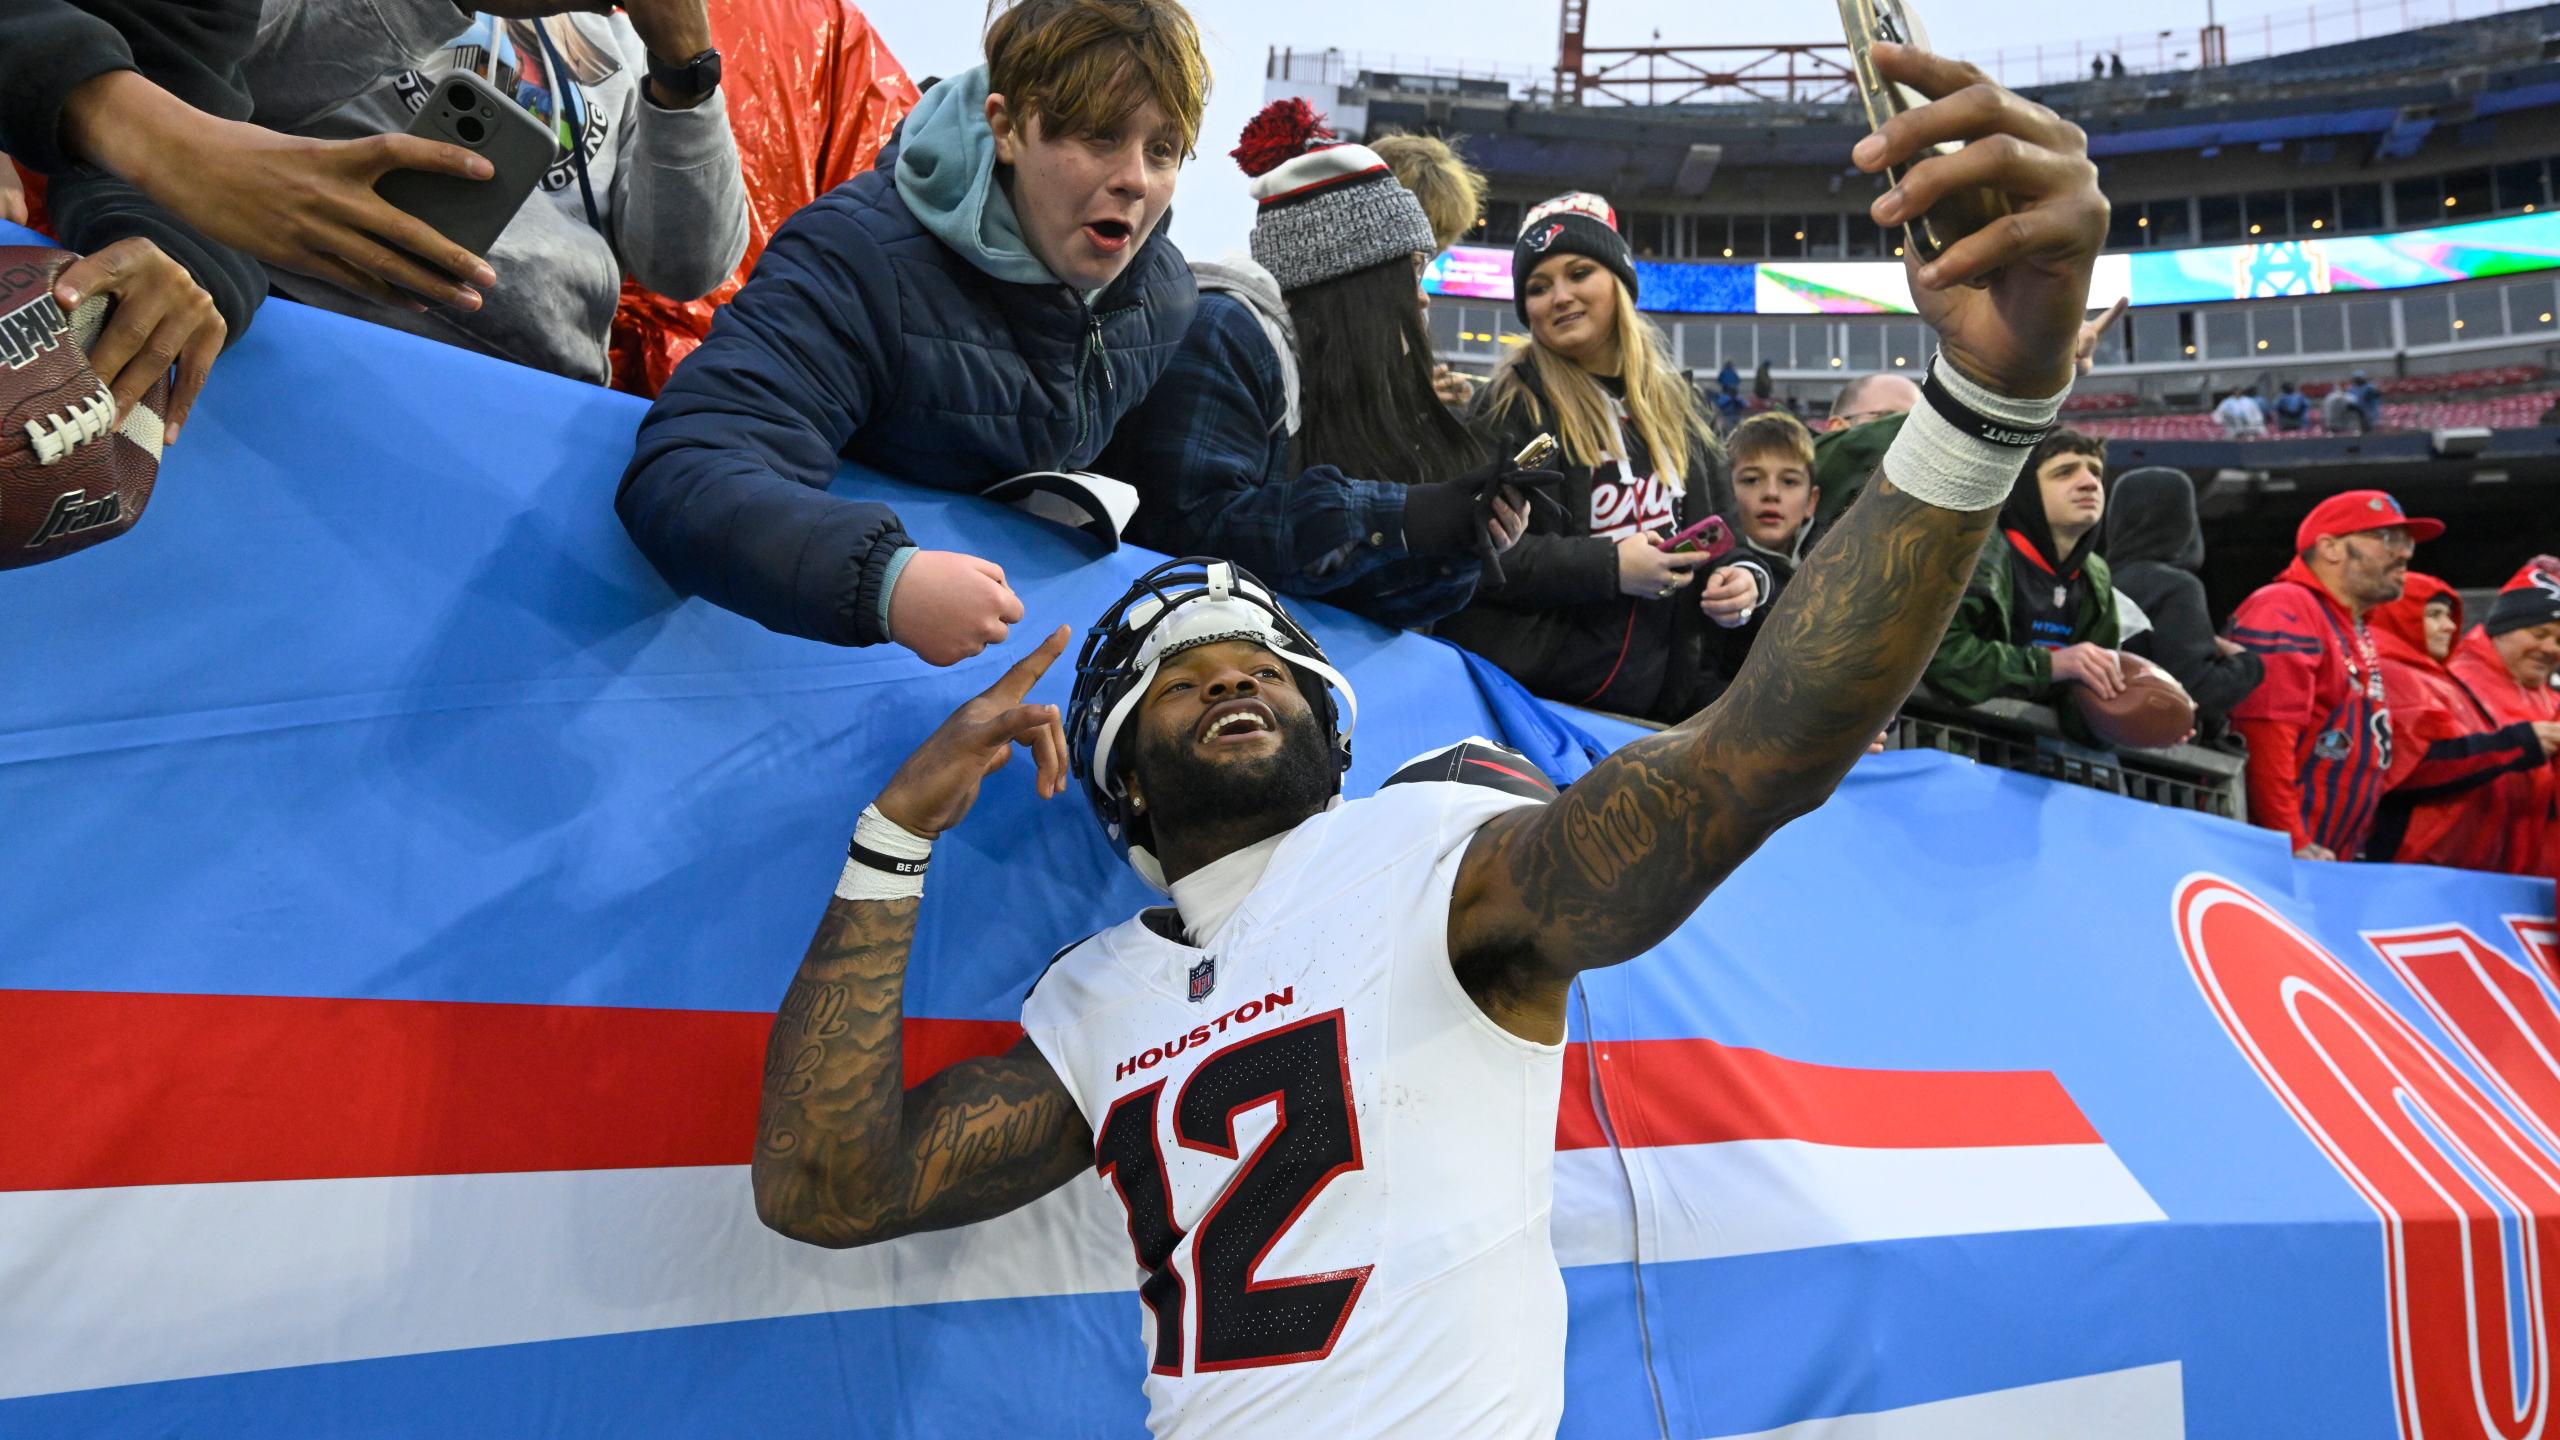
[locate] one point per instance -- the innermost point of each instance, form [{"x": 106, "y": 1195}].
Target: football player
[{"x": 1323, "y": 1081}]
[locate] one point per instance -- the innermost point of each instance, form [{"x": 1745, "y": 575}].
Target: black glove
[
  {"x": 1455, "y": 517},
  {"x": 1440, "y": 518}
]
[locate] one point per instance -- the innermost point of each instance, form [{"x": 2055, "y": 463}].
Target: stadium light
[
  {"x": 2316, "y": 224},
  {"x": 2254, "y": 229}
]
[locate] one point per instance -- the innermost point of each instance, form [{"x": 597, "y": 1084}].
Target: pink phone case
[{"x": 1719, "y": 537}]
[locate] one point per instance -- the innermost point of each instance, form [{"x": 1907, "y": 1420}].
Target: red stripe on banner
[
  {"x": 1697, "y": 1092},
  {"x": 111, "y": 1088},
  {"x": 100, "y": 1089}
]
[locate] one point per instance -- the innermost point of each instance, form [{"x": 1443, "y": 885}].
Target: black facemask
[{"x": 1188, "y": 793}]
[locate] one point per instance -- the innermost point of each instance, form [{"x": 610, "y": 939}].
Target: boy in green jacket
[{"x": 2040, "y": 613}]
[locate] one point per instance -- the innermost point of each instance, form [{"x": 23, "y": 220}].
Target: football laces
[{"x": 55, "y": 436}]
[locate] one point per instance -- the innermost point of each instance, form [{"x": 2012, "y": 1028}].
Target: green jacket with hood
[{"x": 1983, "y": 657}]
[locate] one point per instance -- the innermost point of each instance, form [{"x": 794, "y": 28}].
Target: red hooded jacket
[
  {"x": 2319, "y": 737},
  {"x": 2452, "y": 761},
  {"x": 2529, "y": 800}
]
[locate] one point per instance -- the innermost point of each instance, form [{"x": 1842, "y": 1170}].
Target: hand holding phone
[
  {"x": 1710, "y": 537},
  {"x": 1865, "y": 23},
  {"x": 468, "y": 111}
]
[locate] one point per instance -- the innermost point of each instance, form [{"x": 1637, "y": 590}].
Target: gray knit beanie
[{"x": 1327, "y": 209}]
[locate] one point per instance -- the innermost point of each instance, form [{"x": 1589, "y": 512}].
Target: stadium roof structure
[{"x": 2395, "y": 87}]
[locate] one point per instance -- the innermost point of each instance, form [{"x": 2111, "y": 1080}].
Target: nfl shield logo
[{"x": 1204, "y": 977}]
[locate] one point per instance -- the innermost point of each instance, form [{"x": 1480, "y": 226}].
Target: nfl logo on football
[{"x": 1204, "y": 977}]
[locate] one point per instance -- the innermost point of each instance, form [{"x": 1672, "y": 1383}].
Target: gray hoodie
[{"x": 671, "y": 205}]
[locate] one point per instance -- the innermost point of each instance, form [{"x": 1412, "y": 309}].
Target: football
[
  {"x": 70, "y": 477},
  {"x": 2152, "y": 712}
]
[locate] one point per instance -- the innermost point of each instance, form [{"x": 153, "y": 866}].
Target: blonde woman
[{"x": 1593, "y": 608}]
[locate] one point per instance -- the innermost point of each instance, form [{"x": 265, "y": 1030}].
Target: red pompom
[{"x": 1282, "y": 132}]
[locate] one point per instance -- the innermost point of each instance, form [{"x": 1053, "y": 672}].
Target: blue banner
[{"x": 397, "y": 877}]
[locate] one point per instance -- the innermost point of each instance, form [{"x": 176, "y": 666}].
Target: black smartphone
[
  {"x": 1956, "y": 214},
  {"x": 468, "y": 111}
]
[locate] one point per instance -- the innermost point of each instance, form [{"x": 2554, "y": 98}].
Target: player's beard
[{"x": 1237, "y": 801}]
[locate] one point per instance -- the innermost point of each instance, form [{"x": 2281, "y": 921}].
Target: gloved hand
[{"x": 1456, "y": 517}]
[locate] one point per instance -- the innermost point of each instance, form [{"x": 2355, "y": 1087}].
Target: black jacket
[
  {"x": 2156, "y": 545},
  {"x": 1557, "y": 623},
  {"x": 192, "y": 51},
  {"x": 1721, "y": 651}
]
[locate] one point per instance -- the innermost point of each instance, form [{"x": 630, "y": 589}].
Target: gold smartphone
[
  {"x": 1956, "y": 214},
  {"x": 1535, "y": 453}
]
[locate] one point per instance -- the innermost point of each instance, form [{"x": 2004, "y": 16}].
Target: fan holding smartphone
[{"x": 605, "y": 137}]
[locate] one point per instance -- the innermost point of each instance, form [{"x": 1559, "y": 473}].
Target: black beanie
[
  {"x": 2531, "y": 598},
  {"x": 1575, "y": 223}
]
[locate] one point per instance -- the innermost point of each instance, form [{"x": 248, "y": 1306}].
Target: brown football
[
  {"x": 2151, "y": 712},
  {"x": 70, "y": 476}
]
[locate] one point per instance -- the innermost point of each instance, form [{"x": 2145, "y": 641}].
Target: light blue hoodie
[{"x": 947, "y": 175}]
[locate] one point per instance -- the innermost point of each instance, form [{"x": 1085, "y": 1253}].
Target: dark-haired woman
[{"x": 1296, "y": 432}]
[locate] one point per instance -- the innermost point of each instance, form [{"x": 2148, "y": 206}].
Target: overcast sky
[{"x": 1211, "y": 210}]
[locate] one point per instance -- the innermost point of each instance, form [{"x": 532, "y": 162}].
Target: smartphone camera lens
[{"x": 471, "y": 130}]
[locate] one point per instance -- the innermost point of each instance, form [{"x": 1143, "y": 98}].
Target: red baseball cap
[{"x": 2355, "y": 511}]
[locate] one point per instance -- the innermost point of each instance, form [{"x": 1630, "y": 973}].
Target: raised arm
[
  {"x": 845, "y": 1154},
  {"x": 1632, "y": 849}
]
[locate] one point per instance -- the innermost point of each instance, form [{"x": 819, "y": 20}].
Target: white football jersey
[{"x": 1336, "y": 1169}]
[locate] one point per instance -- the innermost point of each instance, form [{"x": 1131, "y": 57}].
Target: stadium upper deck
[{"x": 2418, "y": 127}]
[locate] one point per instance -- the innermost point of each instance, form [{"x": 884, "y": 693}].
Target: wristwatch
[{"x": 687, "y": 82}]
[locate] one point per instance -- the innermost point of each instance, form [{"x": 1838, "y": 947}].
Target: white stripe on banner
[
  {"x": 1750, "y": 1197},
  {"x": 2144, "y": 1404},
  {"x": 199, "y": 1280},
  {"x": 192, "y": 1280}
]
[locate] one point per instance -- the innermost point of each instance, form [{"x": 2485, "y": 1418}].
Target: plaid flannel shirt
[{"x": 1208, "y": 450}]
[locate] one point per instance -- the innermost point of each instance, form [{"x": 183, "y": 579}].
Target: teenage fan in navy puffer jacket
[{"x": 975, "y": 307}]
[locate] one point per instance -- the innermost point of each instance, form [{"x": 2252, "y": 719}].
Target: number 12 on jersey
[{"x": 1243, "y": 1321}]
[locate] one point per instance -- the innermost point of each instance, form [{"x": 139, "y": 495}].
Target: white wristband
[
  {"x": 895, "y": 863},
  {"x": 1939, "y": 463}
]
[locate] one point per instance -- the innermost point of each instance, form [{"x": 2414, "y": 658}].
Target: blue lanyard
[{"x": 571, "y": 97}]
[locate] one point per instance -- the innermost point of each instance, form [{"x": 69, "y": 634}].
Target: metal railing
[
  {"x": 2243, "y": 39},
  {"x": 2016, "y": 735}
]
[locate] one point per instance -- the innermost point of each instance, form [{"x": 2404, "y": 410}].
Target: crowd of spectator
[{"x": 993, "y": 294}]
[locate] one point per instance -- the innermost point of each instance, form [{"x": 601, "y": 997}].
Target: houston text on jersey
[{"x": 1244, "y": 1014}]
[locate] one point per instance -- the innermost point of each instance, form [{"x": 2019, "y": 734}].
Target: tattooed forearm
[
  {"x": 845, "y": 1155},
  {"x": 1631, "y": 849}
]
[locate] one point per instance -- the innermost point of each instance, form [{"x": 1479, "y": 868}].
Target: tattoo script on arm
[
  {"x": 845, "y": 1154},
  {"x": 1627, "y": 853}
]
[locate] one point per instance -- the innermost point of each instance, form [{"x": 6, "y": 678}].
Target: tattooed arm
[
  {"x": 845, "y": 1155},
  {"x": 1635, "y": 846}
]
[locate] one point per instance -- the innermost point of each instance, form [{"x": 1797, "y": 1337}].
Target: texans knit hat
[
  {"x": 1327, "y": 209},
  {"x": 1575, "y": 223},
  {"x": 2531, "y": 598}
]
